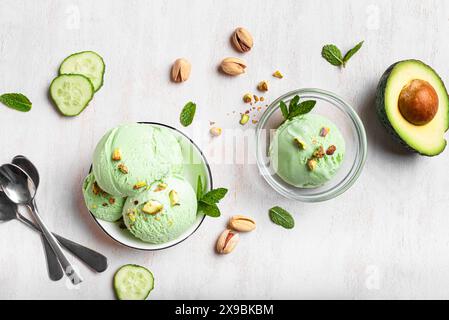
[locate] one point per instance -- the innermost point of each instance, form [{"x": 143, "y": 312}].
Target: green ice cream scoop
[
  {"x": 163, "y": 212},
  {"x": 130, "y": 157},
  {"x": 307, "y": 151},
  {"x": 102, "y": 205}
]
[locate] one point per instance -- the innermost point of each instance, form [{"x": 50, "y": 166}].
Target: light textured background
[{"x": 387, "y": 237}]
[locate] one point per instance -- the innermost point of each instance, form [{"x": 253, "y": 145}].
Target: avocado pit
[{"x": 418, "y": 102}]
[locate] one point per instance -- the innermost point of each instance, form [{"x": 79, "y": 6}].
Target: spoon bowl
[
  {"x": 16, "y": 184},
  {"x": 26, "y": 165},
  {"x": 7, "y": 208}
]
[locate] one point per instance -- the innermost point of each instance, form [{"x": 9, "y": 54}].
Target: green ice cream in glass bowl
[{"x": 311, "y": 145}]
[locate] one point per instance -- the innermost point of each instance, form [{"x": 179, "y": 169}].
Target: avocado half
[{"x": 431, "y": 103}]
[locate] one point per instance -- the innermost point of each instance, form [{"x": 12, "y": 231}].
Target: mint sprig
[
  {"x": 16, "y": 101},
  {"x": 207, "y": 203},
  {"x": 332, "y": 54},
  {"x": 282, "y": 217},
  {"x": 295, "y": 108},
  {"x": 187, "y": 114}
]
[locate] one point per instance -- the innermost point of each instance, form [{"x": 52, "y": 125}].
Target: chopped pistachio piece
[
  {"x": 215, "y": 131},
  {"x": 131, "y": 216},
  {"x": 116, "y": 155},
  {"x": 247, "y": 98},
  {"x": 123, "y": 169},
  {"x": 96, "y": 189},
  {"x": 301, "y": 144},
  {"x": 139, "y": 185},
  {"x": 244, "y": 119},
  {"x": 161, "y": 186},
  {"x": 319, "y": 152},
  {"x": 263, "y": 86},
  {"x": 278, "y": 74},
  {"x": 311, "y": 164},
  {"x": 111, "y": 200},
  {"x": 174, "y": 198},
  {"x": 324, "y": 131},
  {"x": 152, "y": 207},
  {"x": 330, "y": 151}
]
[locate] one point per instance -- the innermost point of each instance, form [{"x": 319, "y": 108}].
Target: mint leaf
[
  {"x": 295, "y": 108},
  {"x": 207, "y": 203},
  {"x": 332, "y": 55},
  {"x": 16, "y": 101},
  {"x": 293, "y": 104},
  {"x": 199, "y": 188},
  {"x": 352, "y": 52},
  {"x": 281, "y": 217},
  {"x": 302, "y": 108},
  {"x": 209, "y": 210},
  {"x": 214, "y": 196},
  {"x": 187, "y": 114},
  {"x": 284, "y": 109}
]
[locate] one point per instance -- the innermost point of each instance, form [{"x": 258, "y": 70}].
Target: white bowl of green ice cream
[
  {"x": 156, "y": 164},
  {"x": 315, "y": 156}
]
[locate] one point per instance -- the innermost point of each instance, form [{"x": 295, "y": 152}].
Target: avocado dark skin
[{"x": 418, "y": 102}]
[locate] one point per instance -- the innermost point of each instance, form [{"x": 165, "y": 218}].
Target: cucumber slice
[
  {"x": 133, "y": 282},
  {"x": 87, "y": 63},
  {"x": 71, "y": 93}
]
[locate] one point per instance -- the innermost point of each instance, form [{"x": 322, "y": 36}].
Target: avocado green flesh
[{"x": 427, "y": 139}]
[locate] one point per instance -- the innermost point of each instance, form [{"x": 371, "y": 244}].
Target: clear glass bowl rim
[{"x": 360, "y": 157}]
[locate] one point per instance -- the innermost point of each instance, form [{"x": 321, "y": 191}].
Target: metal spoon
[
  {"x": 93, "y": 259},
  {"x": 20, "y": 189},
  {"x": 8, "y": 211},
  {"x": 54, "y": 268}
]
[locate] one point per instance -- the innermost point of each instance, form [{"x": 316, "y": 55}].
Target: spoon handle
[
  {"x": 93, "y": 259},
  {"x": 54, "y": 268},
  {"x": 65, "y": 263}
]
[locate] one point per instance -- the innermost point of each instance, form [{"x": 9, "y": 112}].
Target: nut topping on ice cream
[
  {"x": 301, "y": 144},
  {"x": 152, "y": 207},
  {"x": 139, "y": 185},
  {"x": 116, "y": 155},
  {"x": 161, "y": 186},
  {"x": 174, "y": 198},
  {"x": 123, "y": 169}
]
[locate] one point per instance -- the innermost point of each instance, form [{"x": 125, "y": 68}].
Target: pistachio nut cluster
[{"x": 229, "y": 238}]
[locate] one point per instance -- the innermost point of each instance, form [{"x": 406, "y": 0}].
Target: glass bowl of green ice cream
[{"x": 313, "y": 156}]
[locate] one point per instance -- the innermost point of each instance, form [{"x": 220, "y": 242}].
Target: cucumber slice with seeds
[
  {"x": 86, "y": 63},
  {"x": 71, "y": 93},
  {"x": 133, "y": 282}
]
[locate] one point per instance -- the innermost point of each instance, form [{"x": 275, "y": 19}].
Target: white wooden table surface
[{"x": 387, "y": 237}]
